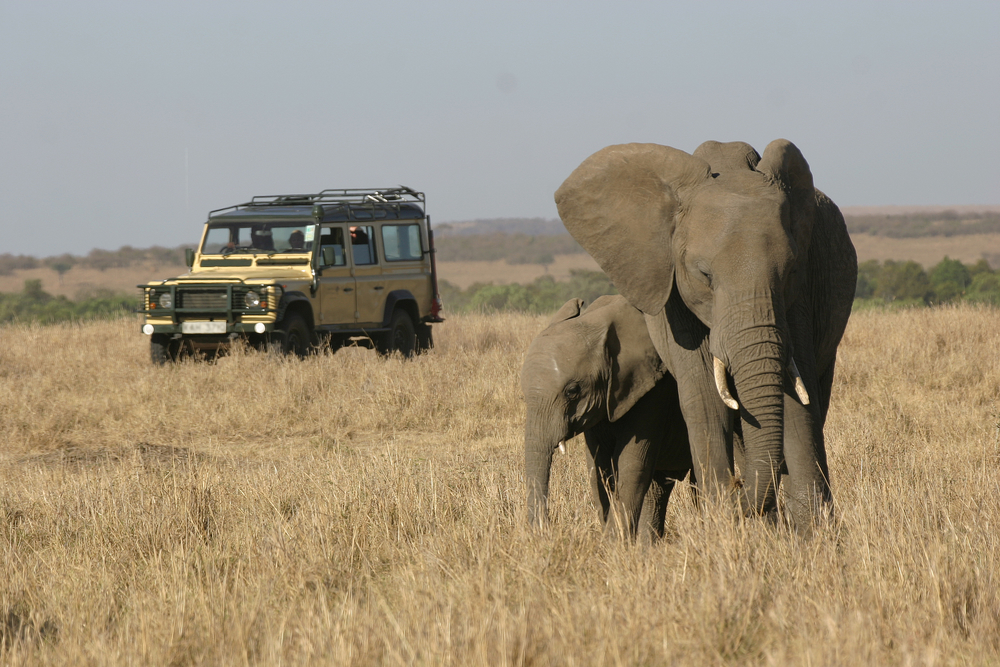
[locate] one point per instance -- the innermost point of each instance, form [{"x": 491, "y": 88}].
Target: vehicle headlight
[
  {"x": 166, "y": 301},
  {"x": 252, "y": 299}
]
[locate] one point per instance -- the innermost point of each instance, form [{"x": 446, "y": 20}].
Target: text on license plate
[{"x": 203, "y": 327}]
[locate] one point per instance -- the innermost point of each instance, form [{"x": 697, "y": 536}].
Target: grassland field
[{"x": 350, "y": 509}]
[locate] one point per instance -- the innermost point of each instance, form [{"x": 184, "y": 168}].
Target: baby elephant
[{"x": 596, "y": 372}]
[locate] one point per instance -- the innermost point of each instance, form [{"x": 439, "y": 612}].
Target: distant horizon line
[{"x": 882, "y": 209}]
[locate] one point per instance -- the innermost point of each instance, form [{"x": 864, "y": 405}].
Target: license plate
[{"x": 203, "y": 327}]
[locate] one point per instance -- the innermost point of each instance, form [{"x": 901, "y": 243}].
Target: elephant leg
[
  {"x": 654, "y": 507},
  {"x": 600, "y": 446},
  {"x": 807, "y": 492},
  {"x": 633, "y": 473},
  {"x": 709, "y": 422},
  {"x": 641, "y": 434}
]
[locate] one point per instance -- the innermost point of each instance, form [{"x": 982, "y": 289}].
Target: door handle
[
  {"x": 379, "y": 287},
  {"x": 348, "y": 289}
]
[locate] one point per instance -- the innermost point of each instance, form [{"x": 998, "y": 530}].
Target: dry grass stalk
[{"x": 355, "y": 510}]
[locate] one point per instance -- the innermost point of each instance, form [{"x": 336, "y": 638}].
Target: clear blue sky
[{"x": 125, "y": 122}]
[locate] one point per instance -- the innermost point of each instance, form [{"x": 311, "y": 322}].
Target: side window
[
  {"x": 331, "y": 244},
  {"x": 363, "y": 245},
  {"x": 401, "y": 242}
]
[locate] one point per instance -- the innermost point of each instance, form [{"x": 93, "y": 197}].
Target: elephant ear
[
  {"x": 784, "y": 163},
  {"x": 635, "y": 367},
  {"x": 568, "y": 311},
  {"x": 730, "y": 156},
  {"x": 620, "y": 204}
]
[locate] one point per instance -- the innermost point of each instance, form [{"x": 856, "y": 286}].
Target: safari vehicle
[{"x": 289, "y": 271}]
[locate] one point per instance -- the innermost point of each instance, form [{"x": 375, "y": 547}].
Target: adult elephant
[
  {"x": 746, "y": 275},
  {"x": 596, "y": 372}
]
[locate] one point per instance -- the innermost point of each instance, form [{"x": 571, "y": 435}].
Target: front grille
[{"x": 204, "y": 299}]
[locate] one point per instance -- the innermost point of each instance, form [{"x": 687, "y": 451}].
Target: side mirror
[
  {"x": 328, "y": 257},
  {"x": 189, "y": 257}
]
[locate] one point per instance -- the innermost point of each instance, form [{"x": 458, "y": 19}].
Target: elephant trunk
[
  {"x": 759, "y": 382},
  {"x": 757, "y": 355},
  {"x": 539, "y": 444}
]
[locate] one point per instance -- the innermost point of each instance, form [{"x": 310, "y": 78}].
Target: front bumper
[{"x": 231, "y": 328}]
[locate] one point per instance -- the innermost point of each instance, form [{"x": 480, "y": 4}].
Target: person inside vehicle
[
  {"x": 358, "y": 236},
  {"x": 363, "y": 250},
  {"x": 296, "y": 240},
  {"x": 262, "y": 239}
]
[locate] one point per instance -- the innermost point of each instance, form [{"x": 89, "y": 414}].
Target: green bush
[
  {"x": 906, "y": 284},
  {"x": 33, "y": 304},
  {"x": 544, "y": 295}
]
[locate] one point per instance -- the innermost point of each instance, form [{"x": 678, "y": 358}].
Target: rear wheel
[
  {"x": 401, "y": 337},
  {"x": 163, "y": 349}
]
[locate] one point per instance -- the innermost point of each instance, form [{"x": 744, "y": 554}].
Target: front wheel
[
  {"x": 163, "y": 349},
  {"x": 295, "y": 339},
  {"x": 401, "y": 337}
]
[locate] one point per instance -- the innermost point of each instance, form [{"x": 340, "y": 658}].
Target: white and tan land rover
[{"x": 294, "y": 271}]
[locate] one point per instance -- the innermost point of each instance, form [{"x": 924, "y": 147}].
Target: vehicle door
[
  {"x": 337, "y": 287},
  {"x": 368, "y": 273},
  {"x": 405, "y": 265}
]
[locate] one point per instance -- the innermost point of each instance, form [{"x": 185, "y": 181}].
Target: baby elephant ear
[
  {"x": 620, "y": 203},
  {"x": 568, "y": 311}
]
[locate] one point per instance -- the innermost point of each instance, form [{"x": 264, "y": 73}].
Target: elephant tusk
[
  {"x": 800, "y": 386},
  {"x": 721, "y": 386},
  {"x": 562, "y": 446}
]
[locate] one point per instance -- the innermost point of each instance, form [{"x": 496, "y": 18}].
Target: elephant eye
[
  {"x": 572, "y": 391},
  {"x": 702, "y": 272}
]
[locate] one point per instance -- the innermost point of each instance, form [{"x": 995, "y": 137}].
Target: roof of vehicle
[{"x": 401, "y": 203}]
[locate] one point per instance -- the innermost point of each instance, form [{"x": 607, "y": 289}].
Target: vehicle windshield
[{"x": 257, "y": 238}]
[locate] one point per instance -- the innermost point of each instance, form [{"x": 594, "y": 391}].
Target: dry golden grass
[
  {"x": 500, "y": 272},
  {"x": 929, "y": 250},
  {"x": 348, "y": 509},
  {"x": 80, "y": 280}
]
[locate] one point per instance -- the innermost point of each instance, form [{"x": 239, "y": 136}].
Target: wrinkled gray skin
[
  {"x": 733, "y": 256},
  {"x": 597, "y": 373}
]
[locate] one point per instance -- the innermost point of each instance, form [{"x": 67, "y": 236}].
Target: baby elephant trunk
[{"x": 540, "y": 441}]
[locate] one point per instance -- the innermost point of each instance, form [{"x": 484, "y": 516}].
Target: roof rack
[{"x": 353, "y": 196}]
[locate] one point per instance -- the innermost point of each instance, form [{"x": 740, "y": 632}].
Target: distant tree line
[
  {"x": 880, "y": 284},
  {"x": 101, "y": 260},
  {"x": 907, "y": 283},
  {"x": 543, "y": 295},
  {"x": 915, "y": 225},
  {"x": 518, "y": 241},
  {"x": 33, "y": 304},
  {"x": 513, "y": 248}
]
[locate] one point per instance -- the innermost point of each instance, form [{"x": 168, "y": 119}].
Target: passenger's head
[{"x": 296, "y": 240}]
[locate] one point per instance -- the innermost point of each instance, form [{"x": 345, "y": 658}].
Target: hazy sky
[{"x": 125, "y": 123}]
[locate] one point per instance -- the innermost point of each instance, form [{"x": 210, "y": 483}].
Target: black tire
[
  {"x": 401, "y": 337},
  {"x": 295, "y": 338},
  {"x": 163, "y": 349},
  {"x": 425, "y": 338}
]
